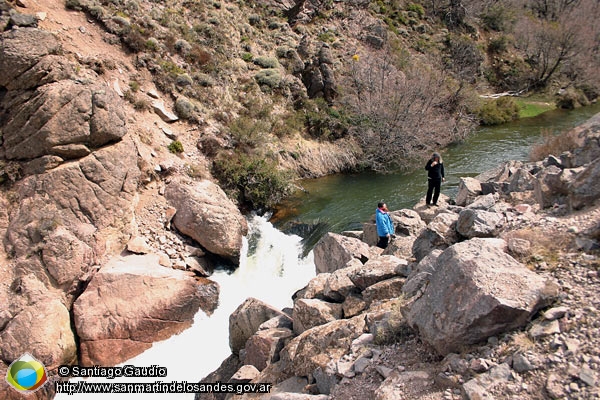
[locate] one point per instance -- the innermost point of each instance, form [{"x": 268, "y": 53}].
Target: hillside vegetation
[{"x": 396, "y": 78}]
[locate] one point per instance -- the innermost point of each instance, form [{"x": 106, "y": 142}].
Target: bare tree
[{"x": 402, "y": 112}]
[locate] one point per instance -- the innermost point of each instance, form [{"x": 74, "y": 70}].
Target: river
[
  {"x": 343, "y": 202},
  {"x": 274, "y": 265}
]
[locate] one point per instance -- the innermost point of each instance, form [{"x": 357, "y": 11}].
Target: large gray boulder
[
  {"x": 376, "y": 270},
  {"x": 468, "y": 190},
  {"x": 334, "y": 251},
  {"x": 584, "y": 190},
  {"x": 316, "y": 347},
  {"x": 309, "y": 313},
  {"x": 407, "y": 222},
  {"x": 479, "y": 223},
  {"x": 588, "y": 138},
  {"x": 476, "y": 291},
  {"x": 205, "y": 213},
  {"x": 130, "y": 303},
  {"x": 439, "y": 234},
  {"x": 549, "y": 188},
  {"x": 245, "y": 321}
]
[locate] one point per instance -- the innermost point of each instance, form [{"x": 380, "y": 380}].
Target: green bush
[
  {"x": 270, "y": 77},
  {"x": 416, "y": 8},
  {"x": 247, "y": 57},
  {"x": 175, "y": 147},
  {"x": 251, "y": 179},
  {"x": 248, "y": 133},
  {"x": 266, "y": 62},
  {"x": 499, "y": 111}
]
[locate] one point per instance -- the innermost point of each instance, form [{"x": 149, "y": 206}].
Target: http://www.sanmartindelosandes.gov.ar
[{"x": 26, "y": 374}]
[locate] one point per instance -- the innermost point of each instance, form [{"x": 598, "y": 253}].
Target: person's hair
[
  {"x": 380, "y": 204},
  {"x": 438, "y": 156}
]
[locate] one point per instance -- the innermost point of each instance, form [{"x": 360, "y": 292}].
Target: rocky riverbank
[{"x": 493, "y": 294}]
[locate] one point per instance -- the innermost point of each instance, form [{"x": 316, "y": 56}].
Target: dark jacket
[{"x": 435, "y": 172}]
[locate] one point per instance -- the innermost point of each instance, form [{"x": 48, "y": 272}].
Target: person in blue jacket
[
  {"x": 435, "y": 176},
  {"x": 385, "y": 226}
]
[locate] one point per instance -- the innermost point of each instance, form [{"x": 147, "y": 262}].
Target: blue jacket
[{"x": 384, "y": 223}]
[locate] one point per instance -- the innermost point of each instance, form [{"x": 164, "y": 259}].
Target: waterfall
[{"x": 271, "y": 269}]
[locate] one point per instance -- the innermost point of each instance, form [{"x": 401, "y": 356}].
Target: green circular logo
[{"x": 26, "y": 374}]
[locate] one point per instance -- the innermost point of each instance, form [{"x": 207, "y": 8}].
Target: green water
[{"x": 343, "y": 202}]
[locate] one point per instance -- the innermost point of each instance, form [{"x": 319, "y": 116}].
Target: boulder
[
  {"x": 478, "y": 223},
  {"x": 338, "y": 285},
  {"x": 407, "y": 222},
  {"x": 60, "y": 114},
  {"x": 370, "y": 236},
  {"x": 477, "y": 291},
  {"x": 384, "y": 290},
  {"x": 205, "y": 213},
  {"x": 21, "y": 50},
  {"x": 439, "y": 234},
  {"x": 468, "y": 190},
  {"x": 376, "y": 270},
  {"x": 588, "y": 140},
  {"x": 309, "y": 313},
  {"x": 484, "y": 202},
  {"x": 264, "y": 346},
  {"x": 400, "y": 247},
  {"x": 584, "y": 189},
  {"x": 421, "y": 274},
  {"x": 138, "y": 245},
  {"x": 521, "y": 181},
  {"x": 245, "y": 321},
  {"x": 353, "y": 305},
  {"x": 318, "y": 346},
  {"x": 130, "y": 303},
  {"x": 42, "y": 329},
  {"x": 333, "y": 251},
  {"x": 548, "y": 187}
]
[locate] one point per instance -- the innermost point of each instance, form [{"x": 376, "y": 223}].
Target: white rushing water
[{"x": 270, "y": 270}]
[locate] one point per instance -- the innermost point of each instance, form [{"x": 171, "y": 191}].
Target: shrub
[
  {"x": 416, "y": 8},
  {"x": 175, "y": 147},
  {"x": 247, "y": 57},
  {"x": 266, "y": 62},
  {"x": 499, "y": 111},
  {"x": 553, "y": 145},
  {"x": 185, "y": 108},
  {"x": 251, "y": 179},
  {"x": 269, "y": 77},
  {"x": 248, "y": 133}
]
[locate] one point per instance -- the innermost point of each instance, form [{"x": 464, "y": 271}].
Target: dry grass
[
  {"x": 544, "y": 246},
  {"x": 553, "y": 145}
]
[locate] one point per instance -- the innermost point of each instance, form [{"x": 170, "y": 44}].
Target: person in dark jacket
[
  {"x": 385, "y": 226},
  {"x": 435, "y": 177}
]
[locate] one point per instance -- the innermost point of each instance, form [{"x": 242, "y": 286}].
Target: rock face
[
  {"x": 65, "y": 216},
  {"x": 205, "y": 213},
  {"x": 53, "y": 343},
  {"x": 477, "y": 290},
  {"x": 130, "y": 303}
]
